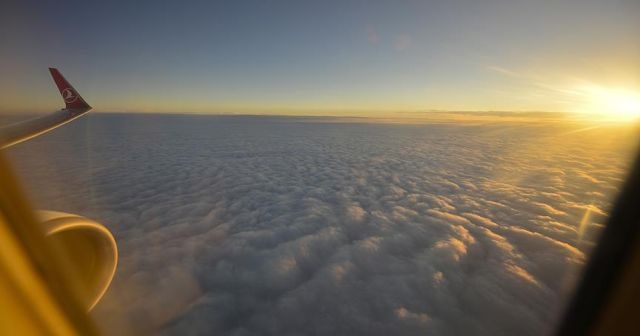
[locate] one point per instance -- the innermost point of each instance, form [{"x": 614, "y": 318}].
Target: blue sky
[{"x": 322, "y": 57}]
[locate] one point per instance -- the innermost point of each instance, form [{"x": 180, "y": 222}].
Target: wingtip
[{"x": 70, "y": 95}]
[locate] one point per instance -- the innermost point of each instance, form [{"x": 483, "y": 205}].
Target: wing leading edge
[{"x": 75, "y": 106}]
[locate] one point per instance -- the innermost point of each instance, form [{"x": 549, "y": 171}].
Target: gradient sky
[{"x": 320, "y": 57}]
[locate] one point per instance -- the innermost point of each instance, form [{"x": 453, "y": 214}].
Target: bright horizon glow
[{"x": 615, "y": 104}]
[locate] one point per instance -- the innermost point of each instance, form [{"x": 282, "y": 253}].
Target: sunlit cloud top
[{"x": 332, "y": 57}]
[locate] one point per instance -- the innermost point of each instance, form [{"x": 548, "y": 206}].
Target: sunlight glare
[{"x": 616, "y": 104}]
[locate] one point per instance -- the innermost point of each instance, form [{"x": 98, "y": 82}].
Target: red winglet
[{"x": 71, "y": 97}]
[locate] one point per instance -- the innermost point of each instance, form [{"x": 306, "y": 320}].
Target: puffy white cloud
[{"x": 281, "y": 226}]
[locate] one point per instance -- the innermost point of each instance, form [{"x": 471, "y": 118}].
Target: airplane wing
[
  {"x": 54, "y": 266},
  {"x": 75, "y": 107}
]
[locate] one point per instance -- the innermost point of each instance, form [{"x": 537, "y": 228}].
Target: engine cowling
[{"x": 91, "y": 249}]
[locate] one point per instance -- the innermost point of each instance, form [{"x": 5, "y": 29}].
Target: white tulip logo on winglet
[{"x": 69, "y": 95}]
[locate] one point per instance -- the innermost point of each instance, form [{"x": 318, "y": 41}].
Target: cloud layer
[{"x": 279, "y": 226}]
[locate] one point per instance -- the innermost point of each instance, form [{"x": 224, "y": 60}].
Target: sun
[
  {"x": 625, "y": 105},
  {"x": 614, "y": 104}
]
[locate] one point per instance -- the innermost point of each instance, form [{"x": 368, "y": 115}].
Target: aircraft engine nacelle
[{"x": 91, "y": 250}]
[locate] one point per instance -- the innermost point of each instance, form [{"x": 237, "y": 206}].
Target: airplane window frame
[{"x": 607, "y": 294}]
